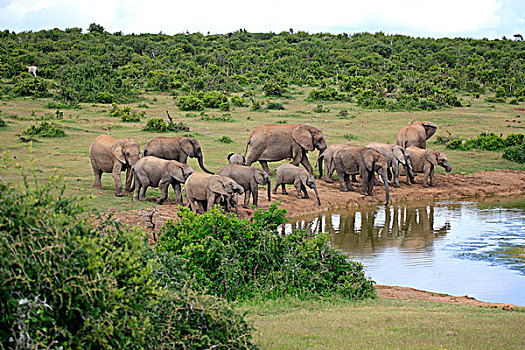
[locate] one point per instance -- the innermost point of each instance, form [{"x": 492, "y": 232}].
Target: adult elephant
[
  {"x": 394, "y": 155},
  {"x": 416, "y": 134},
  {"x": 205, "y": 190},
  {"x": 249, "y": 178},
  {"x": 271, "y": 143},
  {"x": 353, "y": 160},
  {"x": 110, "y": 155},
  {"x": 175, "y": 148}
]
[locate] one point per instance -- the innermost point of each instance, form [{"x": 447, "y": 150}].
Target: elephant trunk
[
  {"x": 320, "y": 164},
  {"x": 316, "y": 194},
  {"x": 269, "y": 184},
  {"x": 385, "y": 180},
  {"x": 130, "y": 175},
  {"x": 201, "y": 164}
]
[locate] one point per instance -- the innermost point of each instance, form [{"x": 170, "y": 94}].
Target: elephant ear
[
  {"x": 399, "y": 153},
  {"x": 430, "y": 129},
  {"x": 118, "y": 152},
  {"x": 432, "y": 157},
  {"x": 368, "y": 159},
  {"x": 188, "y": 146},
  {"x": 176, "y": 172},
  {"x": 217, "y": 186},
  {"x": 303, "y": 137},
  {"x": 260, "y": 177}
]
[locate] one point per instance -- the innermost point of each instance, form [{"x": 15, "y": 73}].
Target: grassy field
[
  {"x": 285, "y": 324},
  {"x": 384, "y": 324},
  {"x": 69, "y": 155}
]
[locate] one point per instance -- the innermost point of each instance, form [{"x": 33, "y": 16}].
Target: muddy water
[{"x": 446, "y": 247}]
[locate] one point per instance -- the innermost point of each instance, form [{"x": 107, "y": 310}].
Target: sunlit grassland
[
  {"x": 383, "y": 324},
  {"x": 69, "y": 155}
]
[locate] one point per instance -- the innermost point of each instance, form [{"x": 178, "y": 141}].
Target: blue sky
[{"x": 443, "y": 18}]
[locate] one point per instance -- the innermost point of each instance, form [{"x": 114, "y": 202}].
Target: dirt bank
[{"x": 447, "y": 186}]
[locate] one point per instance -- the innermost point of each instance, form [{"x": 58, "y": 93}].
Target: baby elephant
[
  {"x": 204, "y": 190},
  {"x": 249, "y": 178},
  {"x": 236, "y": 158},
  {"x": 161, "y": 173},
  {"x": 424, "y": 161},
  {"x": 299, "y": 177}
]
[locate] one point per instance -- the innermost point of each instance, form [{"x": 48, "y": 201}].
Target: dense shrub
[
  {"x": 515, "y": 153},
  {"x": 237, "y": 101},
  {"x": 105, "y": 97},
  {"x": 326, "y": 94},
  {"x": 27, "y": 85},
  {"x": 236, "y": 259},
  {"x": 159, "y": 125},
  {"x": 225, "y": 139},
  {"x": 273, "y": 88},
  {"x": 65, "y": 283},
  {"x": 275, "y": 106},
  {"x": 126, "y": 114},
  {"x": 190, "y": 103},
  {"x": 45, "y": 129},
  {"x": 2, "y": 123}
]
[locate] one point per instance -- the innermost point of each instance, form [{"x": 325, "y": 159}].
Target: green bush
[
  {"x": 321, "y": 109},
  {"x": 238, "y": 260},
  {"x": 515, "y": 153},
  {"x": 156, "y": 125},
  {"x": 514, "y": 139},
  {"x": 225, "y": 139},
  {"x": 273, "y": 88},
  {"x": 190, "y": 103},
  {"x": 126, "y": 114},
  {"x": 105, "y": 97},
  {"x": 2, "y": 123},
  {"x": 45, "y": 129},
  {"x": 213, "y": 99},
  {"x": 66, "y": 283},
  {"x": 26, "y": 85},
  {"x": 326, "y": 94},
  {"x": 237, "y": 101},
  {"x": 225, "y": 106}
]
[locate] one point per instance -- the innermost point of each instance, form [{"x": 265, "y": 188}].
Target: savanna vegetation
[{"x": 72, "y": 276}]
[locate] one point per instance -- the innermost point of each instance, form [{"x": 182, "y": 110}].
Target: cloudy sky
[{"x": 423, "y": 18}]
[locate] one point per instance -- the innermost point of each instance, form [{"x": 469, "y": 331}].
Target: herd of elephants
[{"x": 163, "y": 162}]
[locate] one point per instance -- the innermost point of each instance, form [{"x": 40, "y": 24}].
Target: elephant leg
[
  {"x": 136, "y": 193},
  {"x": 163, "y": 186},
  {"x": 116, "y": 176},
  {"x": 305, "y": 193},
  {"x": 193, "y": 204},
  {"x": 98, "y": 176},
  {"x": 142, "y": 195},
  {"x": 265, "y": 167},
  {"x": 178, "y": 192},
  {"x": 395, "y": 175},
  {"x": 432, "y": 176},
  {"x": 210, "y": 200},
  {"x": 427, "y": 170},
  {"x": 342, "y": 182},
  {"x": 283, "y": 188},
  {"x": 255, "y": 194},
  {"x": 277, "y": 183},
  {"x": 247, "y": 198},
  {"x": 129, "y": 181},
  {"x": 306, "y": 163},
  {"x": 298, "y": 187}
]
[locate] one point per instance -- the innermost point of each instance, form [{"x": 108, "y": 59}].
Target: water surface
[{"x": 446, "y": 247}]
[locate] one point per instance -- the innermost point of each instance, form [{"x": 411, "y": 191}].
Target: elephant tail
[{"x": 248, "y": 142}]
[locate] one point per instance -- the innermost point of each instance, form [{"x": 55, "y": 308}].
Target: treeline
[{"x": 374, "y": 70}]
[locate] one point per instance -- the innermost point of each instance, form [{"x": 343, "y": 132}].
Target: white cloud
[{"x": 413, "y": 17}]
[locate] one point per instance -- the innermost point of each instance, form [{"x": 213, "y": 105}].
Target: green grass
[
  {"x": 383, "y": 324},
  {"x": 70, "y": 153}
]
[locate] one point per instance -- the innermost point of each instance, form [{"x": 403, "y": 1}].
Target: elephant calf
[
  {"x": 161, "y": 173},
  {"x": 249, "y": 178},
  {"x": 236, "y": 158},
  {"x": 205, "y": 190},
  {"x": 299, "y": 177},
  {"x": 424, "y": 161}
]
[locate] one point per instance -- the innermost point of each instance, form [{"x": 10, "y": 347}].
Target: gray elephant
[
  {"x": 205, "y": 190},
  {"x": 109, "y": 155},
  {"x": 249, "y": 178},
  {"x": 327, "y": 157},
  {"x": 416, "y": 134},
  {"x": 161, "y": 173},
  {"x": 300, "y": 178},
  {"x": 353, "y": 160},
  {"x": 236, "y": 158},
  {"x": 175, "y": 148},
  {"x": 424, "y": 161},
  {"x": 271, "y": 143},
  {"x": 394, "y": 155}
]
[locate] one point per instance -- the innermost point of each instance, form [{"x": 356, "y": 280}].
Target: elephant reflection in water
[{"x": 364, "y": 232}]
